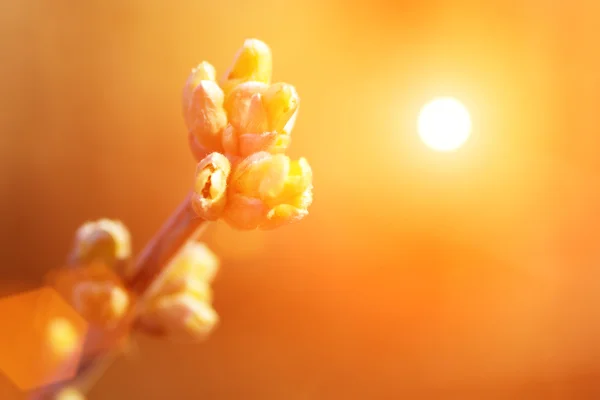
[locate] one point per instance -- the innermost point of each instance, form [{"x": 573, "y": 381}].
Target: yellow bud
[
  {"x": 190, "y": 271},
  {"x": 203, "y": 112},
  {"x": 297, "y": 182},
  {"x": 260, "y": 118},
  {"x": 244, "y": 107},
  {"x": 204, "y": 72},
  {"x": 268, "y": 191},
  {"x": 102, "y": 303},
  {"x": 198, "y": 260},
  {"x": 281, "y": 102},
  {"x": 255, "y": 120},
  {"x": 261, "y": 175},
  {"x": 253, "y": 62},
  {"x": 104, "y": 240},
  {"x": 179, "y": 317},
  {"x": 209, "y": 197}
]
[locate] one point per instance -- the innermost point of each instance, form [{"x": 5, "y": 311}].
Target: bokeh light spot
[
  {"x": 41, "y": 339},
  {"x": 70, "y": 394},
  {"x": 62, "y": 337}
]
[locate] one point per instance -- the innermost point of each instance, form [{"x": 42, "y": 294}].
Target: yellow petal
[
  {"x": 238, "y": 102},
  {"x": 261, "y": 175},
  {"x": 244, "y": 213},
  {"x": 204, "y": 72},
  {"x": 255, "y": 120},
  {"x": 253, "y": 62},
  {"x": 205, "y": 116},
  {"x": 299, "y": 178},
  {"x": 304, "y": 200},
  {"x": 283, "y": 214},
  {"x": 273, "y": 181},
  {"x": 281, "y": 102},
  {"x": 255, "y": 162}
]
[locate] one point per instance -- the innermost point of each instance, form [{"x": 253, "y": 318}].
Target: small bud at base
[{"x": 209, "y": 197}]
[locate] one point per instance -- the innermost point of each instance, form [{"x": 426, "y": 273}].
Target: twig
[{"x": 181, "y": 227}]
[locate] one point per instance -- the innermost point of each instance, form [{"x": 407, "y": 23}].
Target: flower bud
[
  {"x": 255, "y": 111},
  {"x": 245, "y": 109},
  {"x": 203, "y": 72},
  {"x": 281, "y": 102},
  {"x": 253, "y": 62},
  {"x": 102, "y": 303},
  {"x": 98, "y": 294},
  {"x": 181, "y": 316},
  {"x": 203, "y": 110},
  {"x": 104, "y": 240},
  {"x": 190, "y": 271},
  {"x": 267, "y": 191},
  {"x": 209, "y": 197}
]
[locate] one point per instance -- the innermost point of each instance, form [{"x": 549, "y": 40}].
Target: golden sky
[{"x": 417, "y": 273}]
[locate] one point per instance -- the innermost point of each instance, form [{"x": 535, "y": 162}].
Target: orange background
[{"x": 418, "y": 275}]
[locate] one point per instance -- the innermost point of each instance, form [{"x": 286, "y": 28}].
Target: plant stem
[{"x": 182, "y": 226}]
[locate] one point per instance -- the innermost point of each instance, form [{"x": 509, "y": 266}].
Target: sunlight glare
[{"x": 444, "y": 124}]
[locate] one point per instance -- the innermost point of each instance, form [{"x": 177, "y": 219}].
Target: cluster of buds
[
  {"x": 94, "y": 282},
  {"x": 239, "y": 130},
  {"x": 177, "y": 304}
]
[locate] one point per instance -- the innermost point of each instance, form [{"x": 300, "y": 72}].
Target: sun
[{"x": 444, "y": 124}]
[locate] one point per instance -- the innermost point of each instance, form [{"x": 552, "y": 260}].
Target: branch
[{"x": 182, "y": 226}]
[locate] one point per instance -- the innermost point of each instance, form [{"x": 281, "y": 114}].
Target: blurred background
[{"x": 418, "y": 275}]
